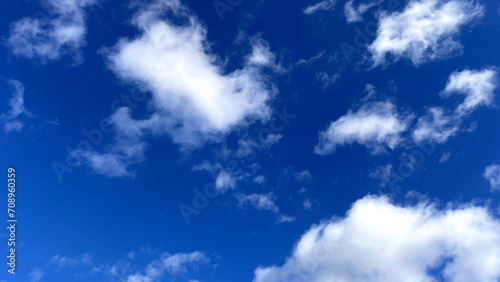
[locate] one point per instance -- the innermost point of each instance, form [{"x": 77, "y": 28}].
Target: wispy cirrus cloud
[
  {"x": 61, "y": 31},
  {"x": 10, "y": 120},
  {"x": 326, "y": 5},
  {"x": 62, "y": 261},
  {"x": 37, "y": 274},
  {"x": 355, "y": 13},
  {"x": 263, "y": 201},
  {"x": 168, "y": 265},
  {"x": 492, "y": 174}
]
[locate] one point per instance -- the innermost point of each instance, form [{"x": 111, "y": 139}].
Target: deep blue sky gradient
[{"x": 90, "y": 213}]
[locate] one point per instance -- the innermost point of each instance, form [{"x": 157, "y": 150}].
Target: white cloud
[
  {"x": 271, "y": 139},
  {"x": 307, "y": 205},
  {"x": 131, "y": 255},
  {"x": 436, "y": 126},
  {"x": 355, "y": 13},
  {"x": 326, "y": 79},
  {"x": 477, "y": 86},
  {"x": 380, "y": 241},
  {"x": 302, "y": 176},
  {"x": 81, "y": 260},
  {"x": 50, "y": 37},
  {"x": 285, "y": 219},
  {"x": 425, "y": 30},
  {"x": 260, "y": 179},
  {"x": 249, "y": 146},
  {"x": 127, "y": 149},
  {"x": 492, "y": 174},
  {"x": 445, "y": 157},
  {"x": 258, "y": 201},
  {"x": 225, "y": 181},
  {"x": 383, "y": 174},
  {"x": 36, "y": 274},
  {"x": 263, "y": 202},
  {"x": 194, "y": 97},
  {"x": 167, "y": 264},
  {"x": 326, "y": 5},
  {"x": 261, "y": 54},
  {"x": 375, "y": 125},
  {"x": 10, "y": 119}
]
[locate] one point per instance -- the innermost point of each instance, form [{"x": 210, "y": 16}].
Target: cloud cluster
[
  {"x": 61, "y": 31},
  {"x": 194, "y": 98},
  {"x": 477, "y": 86},
  {"x": 425, "y": 30},
  {"x": 164, "y": 266},
  {"x": 381, "y": 241},
  {"x": 378, "y": 125}
]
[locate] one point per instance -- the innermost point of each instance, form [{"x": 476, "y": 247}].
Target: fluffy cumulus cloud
[
  {"x": 477, "y": 87},
  {"x": 62, "y": 30},
  {"x": 381, "y": 241},
  {"x": 492, "y": 174},
  {"x": 326, "y": 5},
  {"x": 375, "y": 125},
  {"x": 425, "y": 30},
  {"x": 194, "y": 99},
  {"x": 10, "y": 120}
]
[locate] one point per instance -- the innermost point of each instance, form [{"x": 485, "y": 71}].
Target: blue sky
[{"x": 252, "y": 140}]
